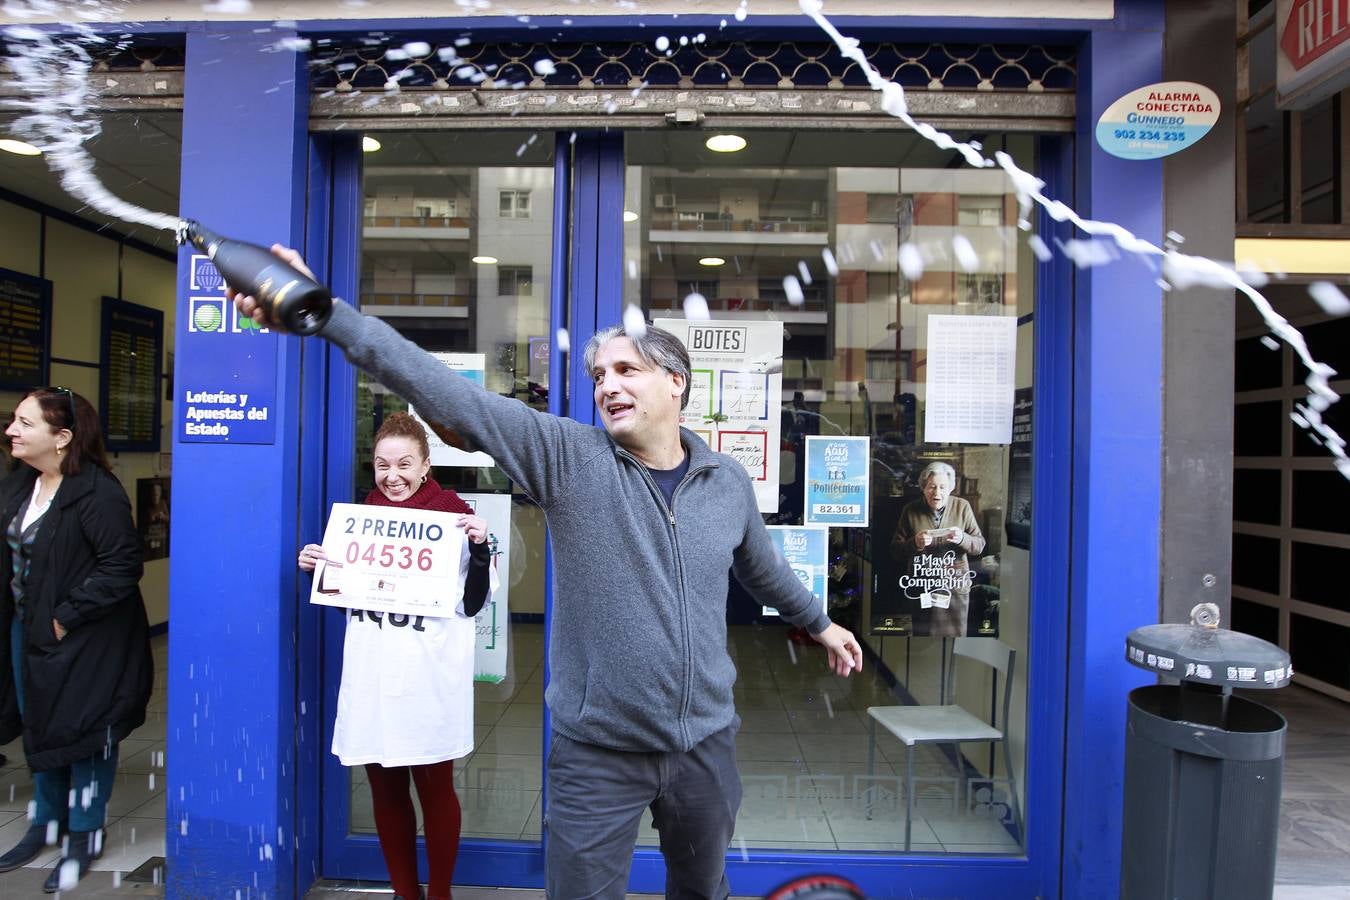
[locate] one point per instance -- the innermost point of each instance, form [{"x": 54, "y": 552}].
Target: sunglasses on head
[{"x": 70, "y": 398}]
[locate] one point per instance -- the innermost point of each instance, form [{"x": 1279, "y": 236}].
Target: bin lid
[{"x": 1209, "y": 656}]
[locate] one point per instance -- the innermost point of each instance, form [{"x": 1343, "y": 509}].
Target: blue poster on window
[
  {"x": 838, "y": 480},
  {"x": 227, "y": 366},
  {"x": 805, "y": 551}
]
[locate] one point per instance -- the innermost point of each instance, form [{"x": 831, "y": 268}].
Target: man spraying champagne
[{"x": 647, "y": 523}]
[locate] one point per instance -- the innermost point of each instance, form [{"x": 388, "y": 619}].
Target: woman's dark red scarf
[{"x": 429, "y": 496}]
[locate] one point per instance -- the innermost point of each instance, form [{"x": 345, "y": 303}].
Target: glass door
[
  {"x": 895, "y": 298},
  {"x": 864, "y": 261},
  {"x": 456, "y": 253}
]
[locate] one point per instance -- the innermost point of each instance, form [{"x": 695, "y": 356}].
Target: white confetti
[
  {"x": 69, "y": 875},
  {"x": 1269, "y": 342},
  {"x": 544, "y": 67},
  {"x": 793, "y": 288},
  {"x": 1329, "y": 297},
  {"x": 831, "y": 265},
  {"x": 696, "y": 307},
  {"x": 663, "y": 43},
  {"x": 804, "y": 271},
  {"x": 966, "y": 257},
  {"x": 1040, "y": 248},
  {"x": 417, "y": 49},
  {"x": 1088, "y": 253},
  {"x": 633, "y": 321},
  {"x": 911, "y": 262}
]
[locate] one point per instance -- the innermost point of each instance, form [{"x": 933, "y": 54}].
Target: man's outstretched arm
[{"x": 529, "y": 446}]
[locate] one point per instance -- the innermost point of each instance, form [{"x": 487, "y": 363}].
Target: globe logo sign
[
  {"x": 207, "y": 315},
  {"x": 205, "y": 275}
]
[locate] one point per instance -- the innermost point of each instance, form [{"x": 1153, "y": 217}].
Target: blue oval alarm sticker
[{"x": 1158, "y": 120}]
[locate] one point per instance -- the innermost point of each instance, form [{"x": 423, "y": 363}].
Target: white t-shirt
[{"x": 406, "y": 697}]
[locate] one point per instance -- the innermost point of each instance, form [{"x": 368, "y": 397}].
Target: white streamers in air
[
  {"x": 1179, "y": 269},
  {"x": 51, "y": 73}
]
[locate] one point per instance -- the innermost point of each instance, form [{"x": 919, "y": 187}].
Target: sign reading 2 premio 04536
[
  {"x": 1158, "y": 120},
  {"x": 227, "y": 365}
]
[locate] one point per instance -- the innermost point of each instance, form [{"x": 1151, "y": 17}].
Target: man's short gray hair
[
  {"x": 655, "y": 347},
  {"x": 937, "y": 468}
]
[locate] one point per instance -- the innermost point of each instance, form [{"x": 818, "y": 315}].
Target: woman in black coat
[{"x": 75, "y": 664}]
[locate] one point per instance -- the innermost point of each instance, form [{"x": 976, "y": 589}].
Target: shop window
[
  {"x": 1256, "y": 366},
  {"x": 1256, "y": 562},
  {"x": 1257, "y": 428},
  {"x": 1256, "y": 496},
  {"x": 1320, "y": 501},
  {"x": 1317, "y": 574},
  {"x": 855, "y": 340},
  {"x": 1319, "y": 646},
  {"x": 1257, "y": 619}
]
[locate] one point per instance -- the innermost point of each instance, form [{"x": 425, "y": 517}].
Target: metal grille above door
[{"x": 631, "y": 84}]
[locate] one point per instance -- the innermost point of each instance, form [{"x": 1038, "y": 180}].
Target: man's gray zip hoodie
[{"x": 638, "y": 640}]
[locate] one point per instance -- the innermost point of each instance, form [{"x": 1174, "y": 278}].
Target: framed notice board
[
  {"x": 131, "y": 354},
  {"x": 25, "y": 331}
]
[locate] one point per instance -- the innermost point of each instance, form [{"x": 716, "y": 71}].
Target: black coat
[{"x": 90, "y": 688}]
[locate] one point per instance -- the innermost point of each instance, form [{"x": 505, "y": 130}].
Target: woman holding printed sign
[{"x": 405, "y": 707}]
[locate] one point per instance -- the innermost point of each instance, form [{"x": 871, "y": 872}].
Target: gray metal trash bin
[{"x": 1202, "y": 767}]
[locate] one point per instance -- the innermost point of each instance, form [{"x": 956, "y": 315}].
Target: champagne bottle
[{"x": 298, "y": 302}]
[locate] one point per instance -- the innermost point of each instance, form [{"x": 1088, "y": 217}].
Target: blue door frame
[
  {"x": 252, "y": 802},
  {"x": 587, "y": 269}
]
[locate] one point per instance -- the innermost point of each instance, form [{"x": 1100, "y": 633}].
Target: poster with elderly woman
[{"x": 924, "y": 584}]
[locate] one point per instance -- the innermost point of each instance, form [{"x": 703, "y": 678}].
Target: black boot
[
  {"x": 82, "y": 848},
  {"x": 26, "y": 850}
]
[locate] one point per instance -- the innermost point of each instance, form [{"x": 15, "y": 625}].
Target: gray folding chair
[{"x": 948, "y": 723}]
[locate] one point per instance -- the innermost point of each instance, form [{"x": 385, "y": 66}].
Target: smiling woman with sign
[{"x": 405, "y": 707}]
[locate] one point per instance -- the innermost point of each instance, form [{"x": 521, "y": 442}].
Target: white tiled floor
[
  {"x": 802, "y": 751},
  {"x": 801, "y": 782},
  {"x": 135, "y": 828}
]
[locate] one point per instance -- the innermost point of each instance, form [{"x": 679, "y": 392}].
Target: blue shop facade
[{"x": 499, "y": 186}]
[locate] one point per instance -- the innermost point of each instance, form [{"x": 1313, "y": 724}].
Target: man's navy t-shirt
[{"x": 667, "y": 479}]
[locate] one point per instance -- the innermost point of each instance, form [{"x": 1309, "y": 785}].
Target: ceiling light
[
  {"x": 20, "y": 147},
  {"x": 485, "y": 260},
  {"x": 712, "y": 261},
  {"x": 725, "y": 143},
  {"x": 369, "y": 144},
  {"x": 629, "y": 216}
]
